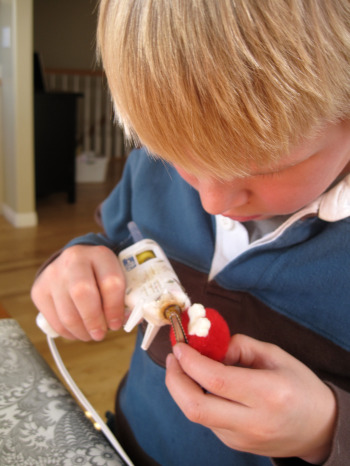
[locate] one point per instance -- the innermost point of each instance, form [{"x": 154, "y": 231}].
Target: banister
[{"x": 74, "y": 72}]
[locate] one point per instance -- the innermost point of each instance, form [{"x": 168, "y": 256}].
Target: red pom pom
[{"x": 215, "y": 344}]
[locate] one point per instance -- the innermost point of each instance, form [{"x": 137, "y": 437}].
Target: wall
[
  {"x": 64, "y": 33},
  {"x": 2, "y": 179},
  {"x": 2, "y": 160},
  {"x": 16, "y": 25}
]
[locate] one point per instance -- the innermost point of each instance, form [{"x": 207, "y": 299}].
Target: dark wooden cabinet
[{"x": 55, "y": 121}]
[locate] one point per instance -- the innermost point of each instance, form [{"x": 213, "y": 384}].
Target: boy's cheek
[{"x": 190, "y": 179}]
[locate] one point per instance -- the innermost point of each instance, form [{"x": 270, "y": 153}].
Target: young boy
[{"x": 246, "y": 105}]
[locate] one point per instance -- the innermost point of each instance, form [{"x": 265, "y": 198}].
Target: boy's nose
[{"x": 219, "y": 198}]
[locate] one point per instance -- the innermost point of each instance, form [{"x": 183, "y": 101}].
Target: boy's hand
[
  {"x": 81, "y": 293},
  {"x": 264, "y": 401}
]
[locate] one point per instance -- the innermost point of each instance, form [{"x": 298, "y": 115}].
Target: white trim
[{"x": 20, "y": 220}]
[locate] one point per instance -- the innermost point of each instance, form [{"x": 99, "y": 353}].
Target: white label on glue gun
[{"x": 151, "y": 284}]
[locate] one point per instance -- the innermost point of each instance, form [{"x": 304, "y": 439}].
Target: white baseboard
[{"x": 20, "y": 220}]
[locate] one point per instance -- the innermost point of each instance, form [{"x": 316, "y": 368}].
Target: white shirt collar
[{"x": 335, "y": 204}]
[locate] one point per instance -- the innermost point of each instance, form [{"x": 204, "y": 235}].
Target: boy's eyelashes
[{"x": 272, "y": 174}]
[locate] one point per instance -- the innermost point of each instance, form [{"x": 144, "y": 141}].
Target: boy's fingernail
[
  {"x": 126, "y": 317},
  {"x": 97, "y": 334},
  {"x": 169, "y": 360},
  {"x": 177, "y": 351},
  {"x": 115, "y": 324}
]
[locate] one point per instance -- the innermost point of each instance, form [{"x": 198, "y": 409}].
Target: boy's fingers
[
  {"x": 46, "y": 303},
  {"x": 187, "y": 394},
  {"x": 111, "y": 284},
  {"x": 197, "y": 405},
  {"x": 82, "y": 305},
  {"x": 238, "y": 384},
  {"x": 249, "y": 352},
  {"x": 69, "y": 317},
  {"x": 82, "y": 293}
]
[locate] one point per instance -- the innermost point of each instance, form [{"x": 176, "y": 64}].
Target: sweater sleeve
[{"x": 340, "y": 452}]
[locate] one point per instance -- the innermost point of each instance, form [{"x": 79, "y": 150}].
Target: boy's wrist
[{"x": 320, "y": 453}]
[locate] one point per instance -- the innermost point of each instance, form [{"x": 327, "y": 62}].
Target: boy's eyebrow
[{"x": 273, "y": 170}]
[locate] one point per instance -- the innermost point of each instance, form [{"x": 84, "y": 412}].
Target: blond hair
[{"x": 219, "y": 86}]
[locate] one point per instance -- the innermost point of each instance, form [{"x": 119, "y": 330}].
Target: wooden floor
[{"x": 96, "y": 367}]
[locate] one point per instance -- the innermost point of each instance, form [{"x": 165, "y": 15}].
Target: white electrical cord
[{"x": 81, "y": 398}]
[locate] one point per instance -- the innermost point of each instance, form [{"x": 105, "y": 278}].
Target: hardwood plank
[{"x": 3, "y": 313}]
